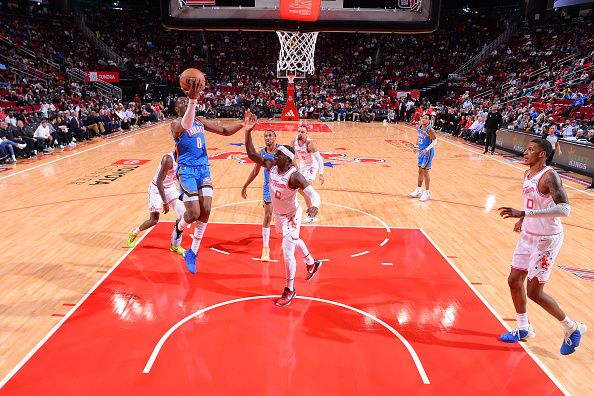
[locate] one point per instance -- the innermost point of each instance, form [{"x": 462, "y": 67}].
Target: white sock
[
  {"x": 265, "y": 236},
  {"x": 523, "y": 323},
  {"x": 568, "y": 324},
  {"x": 290, "y": 284},
  {"x": 198, "y": 234},
  {"x": 427, "y": 191},
  {"x": 290, "y": 263},
  {"x": 182, "y": 224},
  {"x": 305, "y": 252},
  {"x": 136, "y": 231}
]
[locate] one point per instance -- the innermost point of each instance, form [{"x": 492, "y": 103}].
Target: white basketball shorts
[
  {"x": 289, "y": 225},
  {"x": 536, "y": 254},
  {"x": 154, "y": 198}
]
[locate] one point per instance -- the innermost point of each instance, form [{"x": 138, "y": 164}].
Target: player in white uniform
[
  {"x": 284, "y": 181},
  {"x": 162, "y": 193},
  {"x": 310, "y": 160},
  {"x": 541, "y": 236}
]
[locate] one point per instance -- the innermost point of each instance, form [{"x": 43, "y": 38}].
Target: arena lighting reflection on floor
[{"x": 341, "y": 324}]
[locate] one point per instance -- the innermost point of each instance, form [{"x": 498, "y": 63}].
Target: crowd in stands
[
  {"x": 58, "y": 125},
  {"x": 361, "y": 70},
  {"x": 138, "y": 36},
  {"x": 41, "y": 108},
  {"x": 542, "y": 75}
]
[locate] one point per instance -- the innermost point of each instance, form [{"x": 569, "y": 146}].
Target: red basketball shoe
[
  {"x": 312, "y": 269},
  {"x": 286, "y": 297}
]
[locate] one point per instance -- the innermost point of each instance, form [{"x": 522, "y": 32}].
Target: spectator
[
  {"x": 77, "y": 129},
  {"x": 20, "y": 136},
  {"x": 492, "y": 124},
  {"x": 590, "y": 136},
  {"x": 11, "y": 120},
  {"x": 552, "y": 136},
  {"x": 8, "y": 146},
  {"x": 43, "y": 137},
  {"x": 94, "y": 124}
]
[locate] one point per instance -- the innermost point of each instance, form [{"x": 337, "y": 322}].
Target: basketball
[{"x": 189, "y": 75}]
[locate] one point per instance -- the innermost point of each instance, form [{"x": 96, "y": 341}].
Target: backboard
[{"x": 379, "y": 16}]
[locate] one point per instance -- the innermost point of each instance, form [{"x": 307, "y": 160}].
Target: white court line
[
  {"x": 387, "y": 264},
  {"x": 360, "y": 211},
  {"x": 61, "y": 322},
  {"x": 219, "y": 251},
  {"x": 79, "y": 152},
  {"x": 532, "y": 355},
  {"x": 359, "y": 254},
  {"x": 325, "y": 203},
  {"x": 264, "y": 261},
  {"x": 324, "y": 260},
  {"x": 506, "y": 163},
  {"x": 384, "y": 242},
  {"x": 328, "y": 126},
  {"x": 411, "y": 351}
]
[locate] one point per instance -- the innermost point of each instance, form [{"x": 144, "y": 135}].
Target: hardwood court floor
[{"x": 67, "y": 217}]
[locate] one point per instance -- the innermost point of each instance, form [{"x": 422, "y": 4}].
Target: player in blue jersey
[
  {"x": 426, "y": 141},
  {"x": 193, "y": 173},
  {"x": 267, "y": 153}
]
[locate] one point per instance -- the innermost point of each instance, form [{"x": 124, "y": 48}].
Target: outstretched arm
[
  {"x": 178, "y": 126},
  {"x": 251, "y": 178},
  {"x": 225, "y": 131},
  {"x": 249, "y": 145},
  {"x": 297, "y": 181}
]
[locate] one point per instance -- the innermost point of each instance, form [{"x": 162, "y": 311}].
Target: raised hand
[
  {"x": 195, "y": 89},
  {"x": 249, "y": 120}
]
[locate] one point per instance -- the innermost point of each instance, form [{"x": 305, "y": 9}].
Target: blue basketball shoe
[
  {"x": 517, "y": 335},
  {"x": 190, "y": 258},
  {"x": 572, "y": 339}
]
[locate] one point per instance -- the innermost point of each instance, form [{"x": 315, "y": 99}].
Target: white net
[{"x": 297, "y": 53}]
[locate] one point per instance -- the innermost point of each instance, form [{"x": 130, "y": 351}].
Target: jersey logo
[
  {"x": 529, "y": 190},
  {"x": 282, "y": 184},
  {"x": 196, "y": 129}
]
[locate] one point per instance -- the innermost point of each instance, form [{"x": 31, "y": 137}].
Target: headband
[{"x": 286, "y": 152}]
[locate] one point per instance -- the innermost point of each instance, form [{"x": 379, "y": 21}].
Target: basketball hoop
[{"x": 296, "y": 55}]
